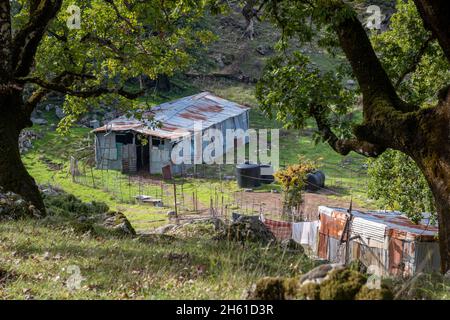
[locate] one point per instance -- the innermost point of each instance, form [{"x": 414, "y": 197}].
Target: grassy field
[
  {"x": 346, "y": 174},
  {"x": 48, "y": 162},
  {"x": 38, "y": 259}
]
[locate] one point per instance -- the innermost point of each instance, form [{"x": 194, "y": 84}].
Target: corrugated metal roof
[
  {"x": 377, "y": 223},
  {"x": 178, "y": 117}
]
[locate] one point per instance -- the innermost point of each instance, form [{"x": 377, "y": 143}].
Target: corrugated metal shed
[
  {"x": 388, "y": 240},
  {"x": 179, "y": 116},
  {"x": 375, "y": 224}
]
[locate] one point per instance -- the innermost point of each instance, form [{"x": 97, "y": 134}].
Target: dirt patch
[
  {"x": 52, "y": 166},
  {"x": 271, "y": 203}
]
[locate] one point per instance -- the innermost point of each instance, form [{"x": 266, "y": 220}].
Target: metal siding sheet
[
  {"x": 427, "y": 257},
  {"x": 331, "y": 226},
  {"x": 322, "y": 247},
  {"x": 396, "y": 256}
]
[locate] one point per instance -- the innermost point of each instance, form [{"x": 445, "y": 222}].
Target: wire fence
[{"x": 208, "y": 190}]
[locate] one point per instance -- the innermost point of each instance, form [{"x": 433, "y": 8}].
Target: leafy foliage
[
  {"x": 398, "y": 184},
  {"x": 412, "y": 57},
  {"x": 117, "y": 41},
  {"x": 291, "y": 86},
  {"x": 420, "y": 69},
  {"x": 292, "y": 181}
]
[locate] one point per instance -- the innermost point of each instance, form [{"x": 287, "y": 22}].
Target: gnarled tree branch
[
  {"x": 5, "y": 39},
  {"x": 435, "y": 15},
  {"x": 343, "y": 146},
  {"x": 87, "y": 93},
  {"x": 26, "y": 41}
]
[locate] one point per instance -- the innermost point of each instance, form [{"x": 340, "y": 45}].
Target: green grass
[
  {"x": 345, "y": 174},
  {"x": 37, "y": 255}
]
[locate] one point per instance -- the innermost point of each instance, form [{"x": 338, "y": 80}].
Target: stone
[
  {"x": 165, "y": 229},
  {"x": 14, "y": 207},
  {"x": 273, "y": 288},
  {"x": 171, "y": 214},
  {"x": 264, "y": 50},
  {"x": 342, "y": 284},
  {"x": 246, "y": 228},
  {"x": 320, "y": 273},
  {"x": 59, "y": 112},
  {"x": 219, "y": 60},
  {"x": 39, "y": 121},
  {"x": 117, "y": 222}
]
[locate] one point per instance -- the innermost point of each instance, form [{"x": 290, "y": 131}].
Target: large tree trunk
[
  {"x": 437, "y": 172},
  {"x": 13, "y": 175},
  {"x": 442, "y": 200},
  {"x": 390, "y": 122}
]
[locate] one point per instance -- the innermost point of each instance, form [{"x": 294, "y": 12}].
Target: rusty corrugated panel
[
  {"x": 193, "y": 116},
  {"x": 396, "y": 266},
  {"x": 331, "y": 226},
  {"x": 372, "y": 223},
  {"x": 180, "y": 114},
  {"x": 322, "y": 247}
]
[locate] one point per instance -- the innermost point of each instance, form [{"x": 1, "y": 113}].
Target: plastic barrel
[
  {"x": 315, "y": 180},
  {"x": 248, "y": 175},
  {"x": 265, "y": 177}
]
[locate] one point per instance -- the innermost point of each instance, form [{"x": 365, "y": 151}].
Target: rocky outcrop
[
  {"x": 26, "y": 140},
  {"x": 118, "y": 223},
  {"x": 14, "y": 207}
]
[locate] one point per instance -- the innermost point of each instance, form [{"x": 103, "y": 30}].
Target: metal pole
[{"x": 175, "y": 199}]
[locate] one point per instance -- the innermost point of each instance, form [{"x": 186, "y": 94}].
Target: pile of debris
[
  {"x": 247, "y": 228},
  {"x": 26, "y": 140},
  {"x": 85, "y": 216},
  {"x": 195, "y": 228},
  {"x": 14, "y": 207}
]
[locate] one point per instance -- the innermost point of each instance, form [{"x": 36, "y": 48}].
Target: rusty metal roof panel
[
  {"x": 378, "y": 223},
  {"x": 181, "y": 114}
]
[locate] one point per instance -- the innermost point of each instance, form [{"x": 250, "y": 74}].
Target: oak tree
[
  {"x": 86, "y": 52},
  {"x": 395, "y": 114}
]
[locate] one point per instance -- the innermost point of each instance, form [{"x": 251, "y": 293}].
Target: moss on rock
[
  {"x": 309, "y": 291},
  {"x": 342, "y": 285},
  {"x": 275, "y": 288},
  {"x": 374, "y": 294}
]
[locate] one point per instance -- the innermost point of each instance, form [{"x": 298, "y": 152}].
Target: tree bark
[
  {"x": 390, "y": 122},
  {"x": 439, "y": 182},
  {"x": 435, "y": 15},
  {"x": 13, "y": 174}
]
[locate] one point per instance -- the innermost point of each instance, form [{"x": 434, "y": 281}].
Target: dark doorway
[{"x": 142, "y": 154}]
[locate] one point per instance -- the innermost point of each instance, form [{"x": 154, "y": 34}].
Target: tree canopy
[{"x": 116, "y": 41}]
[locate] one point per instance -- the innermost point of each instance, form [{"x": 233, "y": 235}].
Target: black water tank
[
  {"x": 322, "y": 178},
  {"x": 248, "y": 175},
  {"x": 266, "y": 178},
  {"x": 315, "y": 180}
]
